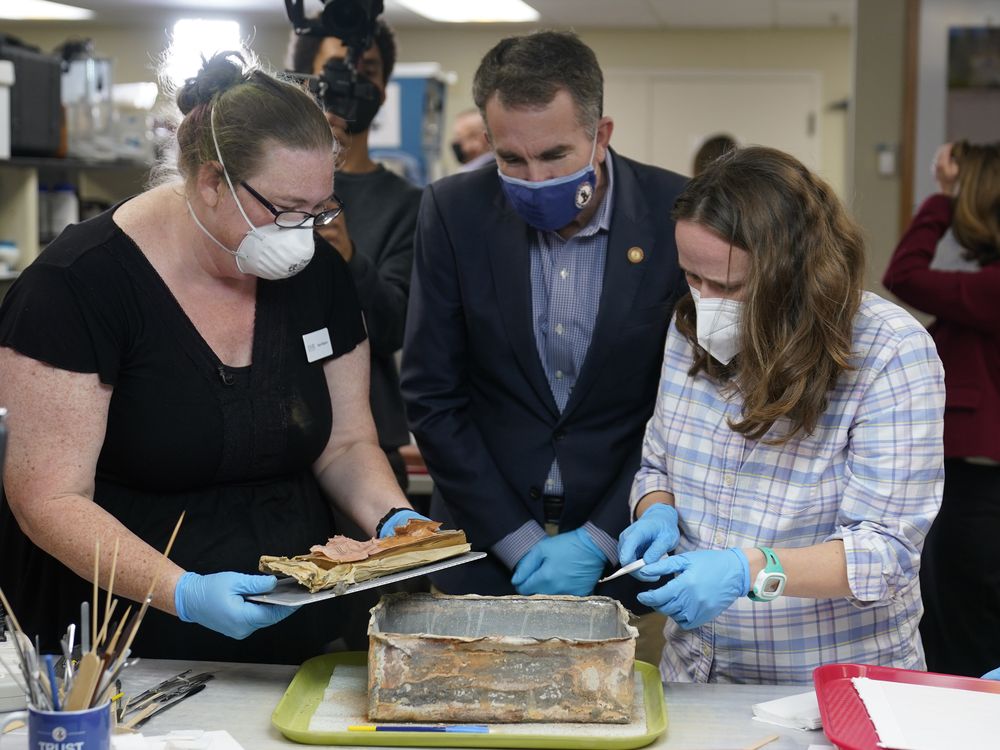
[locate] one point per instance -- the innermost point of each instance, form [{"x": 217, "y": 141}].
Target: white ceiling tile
[
  {"x": 814, "y": 12},
  {"x": 596, "y": 13},
  {"x": 714, "y": 13},
  {"x": 615, "y": 14}
]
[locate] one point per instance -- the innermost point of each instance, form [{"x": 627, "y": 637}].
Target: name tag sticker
[{"x": 317, "y": 344}]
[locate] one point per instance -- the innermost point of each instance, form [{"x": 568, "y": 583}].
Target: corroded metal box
[{"x": 500, "y": 659}]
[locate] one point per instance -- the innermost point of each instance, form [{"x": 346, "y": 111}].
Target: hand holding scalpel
[{"x": 630, "y": 568}]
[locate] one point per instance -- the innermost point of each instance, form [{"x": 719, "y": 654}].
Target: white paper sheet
[
  {"x": 800, "y": 711},
  {"x": 922, "y": 717}
]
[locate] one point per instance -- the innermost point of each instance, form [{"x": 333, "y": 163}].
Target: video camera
[{"x": 339, "y": 87}]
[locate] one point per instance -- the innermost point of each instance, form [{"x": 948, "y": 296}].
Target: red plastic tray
[{"x": 845, "y": 720}]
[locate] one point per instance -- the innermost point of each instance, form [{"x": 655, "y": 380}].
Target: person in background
[
  {"x": 470, "y": 142},
  {"x": 374, "y": 234},
  {"x": 191, "y": 350},
  {"x": 794, "y": 457},
  {"x": 711, "y": 149},
  {"x": 960, "y": 568},
  {"x": 541, "y": 296}
]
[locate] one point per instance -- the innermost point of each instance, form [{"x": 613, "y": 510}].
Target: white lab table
[{"x": 242, "y": 696}]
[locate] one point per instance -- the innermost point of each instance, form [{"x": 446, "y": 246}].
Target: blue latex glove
[
  {"x": 707, "y": 583},
  {"x": 389, "y": 527},
  {"x": 567, "y": 563},
  {"x": 216, "y": 602},
  {"x": 992, "y": 674},
  {"x": 652, "y": 535}
]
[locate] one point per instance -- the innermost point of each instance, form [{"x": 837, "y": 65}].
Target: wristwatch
[
  {"x": 385, "y": 519},
  {"x": 770, "y": 582}
]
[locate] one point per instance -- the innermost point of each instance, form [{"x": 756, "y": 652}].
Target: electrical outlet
[{"x": 11, "y": 697}]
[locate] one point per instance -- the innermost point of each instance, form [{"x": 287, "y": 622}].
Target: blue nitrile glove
[
  {"x": 567, "y": 563},
  {"x": 652, "y": 535},
  {"x": 993, "y": 674},
  {"x": 216, "y": 602},
  {"x": 399, "y": 519},
  {"x": 707, "y": 583}
]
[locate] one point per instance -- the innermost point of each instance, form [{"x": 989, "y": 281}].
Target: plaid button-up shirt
[{"x": 871, "y": 475}]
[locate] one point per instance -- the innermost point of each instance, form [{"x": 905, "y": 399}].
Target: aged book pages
[{"x": 343, "y": 561}]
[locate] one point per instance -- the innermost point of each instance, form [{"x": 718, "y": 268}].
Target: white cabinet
[{"x": 95, "y": 182}]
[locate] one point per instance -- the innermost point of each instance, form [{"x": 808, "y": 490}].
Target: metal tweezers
[
  {"x": 162, "y": 704},
  {"x": 168, "y": 692}
]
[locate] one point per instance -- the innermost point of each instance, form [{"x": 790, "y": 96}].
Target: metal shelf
[{"x": 50, "y": 162}]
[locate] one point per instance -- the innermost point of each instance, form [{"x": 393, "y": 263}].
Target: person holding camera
[
  {"x": 542, "y": 292},
  {"x": 960, "y": 568},
  {"x": 192, "y": 350},
  {"x": 374, "y": 234}
]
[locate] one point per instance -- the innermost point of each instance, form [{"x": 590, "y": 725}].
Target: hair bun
[{"x": 218, "y": 74}]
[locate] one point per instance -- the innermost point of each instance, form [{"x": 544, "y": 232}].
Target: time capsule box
[{"x": 491, "y": 659}]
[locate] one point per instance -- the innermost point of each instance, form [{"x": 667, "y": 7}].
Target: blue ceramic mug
[{"x": 89, "y": 729}]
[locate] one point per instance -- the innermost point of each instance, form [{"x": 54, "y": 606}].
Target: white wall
[{"x": 825, "y": 51}]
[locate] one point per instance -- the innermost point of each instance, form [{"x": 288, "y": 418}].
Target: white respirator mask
[{"x": 718, "y": 323}]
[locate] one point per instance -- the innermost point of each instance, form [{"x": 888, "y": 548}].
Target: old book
[{"x": 343, "y": 561}]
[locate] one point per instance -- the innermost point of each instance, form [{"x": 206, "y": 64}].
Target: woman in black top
[{"x": 192, "y": 350}]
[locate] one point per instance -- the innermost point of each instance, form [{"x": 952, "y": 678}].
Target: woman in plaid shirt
[{"x": 794, "y": 460}]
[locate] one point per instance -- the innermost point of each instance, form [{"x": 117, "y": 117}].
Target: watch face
[
  {"x": 772, "y": 585},
  {"x": 769, "y": 585}
]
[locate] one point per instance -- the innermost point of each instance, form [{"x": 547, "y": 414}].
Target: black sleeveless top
[{"x": 233, "y": 447}]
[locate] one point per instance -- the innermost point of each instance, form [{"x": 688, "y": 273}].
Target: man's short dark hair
[
  {"x": 302, "y": 50},
  {"x": 528, "y": 71}
]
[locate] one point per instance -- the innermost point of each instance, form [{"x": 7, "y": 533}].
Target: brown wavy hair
[
  {"x": 802, "y": 290},
  {"x": 976, "y": 222}
]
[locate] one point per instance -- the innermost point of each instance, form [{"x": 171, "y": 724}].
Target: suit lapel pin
[{"x": 635, "y": 255}]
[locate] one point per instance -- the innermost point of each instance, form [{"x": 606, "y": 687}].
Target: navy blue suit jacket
[{"x": 477, "y": 398}]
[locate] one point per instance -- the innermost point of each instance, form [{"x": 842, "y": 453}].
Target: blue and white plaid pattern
[
  {"x": 567, "y": 277},
  {"x": 871, "y": 475}
]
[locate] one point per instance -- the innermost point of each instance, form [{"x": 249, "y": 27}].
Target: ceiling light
[
  {"x": 495, "y": 11},
  {"x": 195, "y": 40},
  {"x": 43, "y": 10}
]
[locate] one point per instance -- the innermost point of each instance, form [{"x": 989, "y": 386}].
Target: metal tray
[
  {"x": 294, "y": 711},
  {"x": 292, "y": 594}
]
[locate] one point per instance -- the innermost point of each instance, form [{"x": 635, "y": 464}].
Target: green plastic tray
[{"x": 292, "y": 714}]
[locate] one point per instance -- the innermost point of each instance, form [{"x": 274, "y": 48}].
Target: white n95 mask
[
  {"x": 269, "y": 252},
  {"x": 718, "y": 323}
]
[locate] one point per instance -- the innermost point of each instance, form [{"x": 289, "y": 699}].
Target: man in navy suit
[{"x": 541, "y": 295}]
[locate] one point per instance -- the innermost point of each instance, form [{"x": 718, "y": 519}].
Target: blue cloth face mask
[{"x": 552, "y": 204}]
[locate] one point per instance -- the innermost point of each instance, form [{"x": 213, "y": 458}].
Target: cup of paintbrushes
[{"x": 89, "y": 729}]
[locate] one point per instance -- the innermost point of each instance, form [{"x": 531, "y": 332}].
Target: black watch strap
[{"x": 384, "y": 519}]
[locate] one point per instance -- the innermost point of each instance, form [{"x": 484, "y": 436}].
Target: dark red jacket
[{"x": 966, "y": 330}]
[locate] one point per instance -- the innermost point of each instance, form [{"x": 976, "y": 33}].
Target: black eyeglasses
[{"x": 292, "y": 219}]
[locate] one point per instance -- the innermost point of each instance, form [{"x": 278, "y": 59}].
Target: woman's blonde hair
[
  {"x": 976, "y": 222},
  {"x": 802, "y": 291}
]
